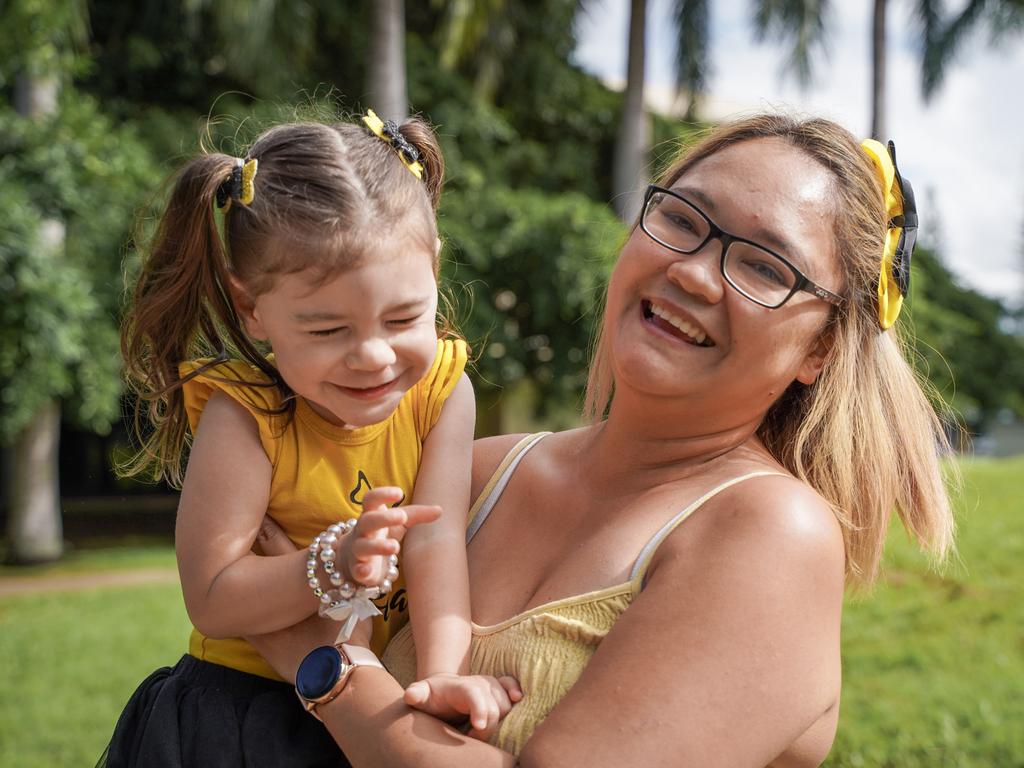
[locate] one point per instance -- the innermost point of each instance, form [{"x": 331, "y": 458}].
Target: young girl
[{"x": 329, "y": 254}]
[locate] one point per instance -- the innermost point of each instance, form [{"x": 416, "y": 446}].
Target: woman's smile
[{"x": 671, "y": 321}]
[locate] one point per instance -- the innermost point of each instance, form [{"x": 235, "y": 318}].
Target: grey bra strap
[
  {"x": 498, "y": 488},
  {"x": 644, "y": 558}
]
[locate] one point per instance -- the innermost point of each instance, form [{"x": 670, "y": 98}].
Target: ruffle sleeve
[
  {"x": 242, "y": 382},
  {"x": 437, "y": 385}
]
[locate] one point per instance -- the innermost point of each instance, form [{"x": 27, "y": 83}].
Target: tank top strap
[
  {"x": 643, "y": 560},
  {"x": 500, "y": 478}
]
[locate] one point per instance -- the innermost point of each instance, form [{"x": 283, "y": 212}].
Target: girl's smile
[{"x": 354, "y": 344}]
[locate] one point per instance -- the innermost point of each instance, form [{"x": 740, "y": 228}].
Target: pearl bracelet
[{"x": 346, "y": 601}]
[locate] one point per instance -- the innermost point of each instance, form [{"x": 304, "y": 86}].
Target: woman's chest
[{"x": 542, "y": 543}]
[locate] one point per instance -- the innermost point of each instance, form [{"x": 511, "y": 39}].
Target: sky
[{"x": 963, "y": 151}]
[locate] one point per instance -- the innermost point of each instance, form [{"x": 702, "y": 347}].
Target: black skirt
[{"x": 203, "y": 715}]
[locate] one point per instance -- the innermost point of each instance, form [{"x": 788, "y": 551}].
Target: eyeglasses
[{"x": 763, "y": 276}]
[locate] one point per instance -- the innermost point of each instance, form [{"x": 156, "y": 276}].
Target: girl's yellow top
[
  {"x": 546, "y": 648},
  {"x": 321, "y": 471}
]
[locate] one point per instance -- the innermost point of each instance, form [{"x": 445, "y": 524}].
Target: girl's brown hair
[
  {"x": 865, "y": 435},
  {"x": 324, "y": 196}
]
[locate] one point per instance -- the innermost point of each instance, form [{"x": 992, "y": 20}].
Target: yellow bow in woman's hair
[
  {"x": 388, "y": 131},
  {"x": 894, "y": 274}
]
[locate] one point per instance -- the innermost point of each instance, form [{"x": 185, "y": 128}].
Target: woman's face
[{"x": 676, "y": 328}]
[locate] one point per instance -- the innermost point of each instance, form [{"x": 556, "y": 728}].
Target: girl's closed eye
[
  {"x": 403, "y": 321},
  {"x": 328, "y": 331}
]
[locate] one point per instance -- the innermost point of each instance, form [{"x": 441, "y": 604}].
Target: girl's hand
[
  {"x": 378, "y": 533},
  {"x": 363, "y": 554},
  {"x": 486, "y": 700}
]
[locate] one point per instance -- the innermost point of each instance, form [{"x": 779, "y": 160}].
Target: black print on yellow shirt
[
  {"x": 362, "y": 486},
  {"x": 393, "y": 602}
]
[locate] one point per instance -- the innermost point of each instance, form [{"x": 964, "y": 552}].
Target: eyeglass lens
[{"x": 756, "y": 272}]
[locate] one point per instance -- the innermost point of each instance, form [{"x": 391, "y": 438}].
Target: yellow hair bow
[
  {"x": 239, "y": 185},
  {"x": 388, "y": 131},
  {"x": 894, "y": 274}
]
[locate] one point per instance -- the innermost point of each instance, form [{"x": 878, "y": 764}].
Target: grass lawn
[{"x": 933, "y": 663}]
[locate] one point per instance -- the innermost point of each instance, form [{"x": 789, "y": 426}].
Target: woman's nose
[
  {"x": 371, "y": 354},
  {"x": 700, "y": 274}
]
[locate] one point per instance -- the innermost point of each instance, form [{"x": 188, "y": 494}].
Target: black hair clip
[{"x": 399, "y": 142}]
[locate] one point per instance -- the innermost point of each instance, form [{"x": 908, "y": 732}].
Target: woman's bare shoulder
[
  {"x": 776, "y": 520},
  {"x": 487, "y": 455}
]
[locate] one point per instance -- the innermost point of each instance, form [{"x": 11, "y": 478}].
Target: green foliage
[
  {"x": 59, "y": 306},
  {"x": 533, "y": 267},
  {"x": 974, "y": 363},
  {"x": 41, "y": 37}
]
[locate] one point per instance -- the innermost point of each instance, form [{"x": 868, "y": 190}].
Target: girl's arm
[
  {"x": 434, "y": 557},
  {"x": 228, "y": 590}
]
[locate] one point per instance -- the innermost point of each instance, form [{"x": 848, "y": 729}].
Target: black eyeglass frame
[{"x": 715, "y": 232}]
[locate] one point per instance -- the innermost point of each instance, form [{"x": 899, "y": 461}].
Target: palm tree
[
  {"x": 386, "y": 87},
  {"x": 633, "y": 142},
  {"x": 632, "y": 146},
  {"x": 802, "y": 23}
]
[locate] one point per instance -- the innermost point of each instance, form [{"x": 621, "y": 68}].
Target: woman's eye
[
  {"x": 327, "y": 331},
  {"x": 680, "y": 220},
  {"x": 767, "y": 271}
]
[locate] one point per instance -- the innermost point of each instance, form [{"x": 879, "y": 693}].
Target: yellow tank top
[
  {"x": 546, "y": 647},
  {"x": 321, "y": 471}
]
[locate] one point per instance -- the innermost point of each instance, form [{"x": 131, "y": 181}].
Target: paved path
[{"x": 71, "y": 582}]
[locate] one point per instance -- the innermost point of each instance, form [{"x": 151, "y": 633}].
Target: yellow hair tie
[
  {"x": 239, "y": 185},
  {"x": 901, "y": 211},
  {"x": 388, "y": 131}
]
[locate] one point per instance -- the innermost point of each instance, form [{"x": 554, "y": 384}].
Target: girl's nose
[
  {"x": 371, "y": 355},
  {"x": 700, "y": 273}
]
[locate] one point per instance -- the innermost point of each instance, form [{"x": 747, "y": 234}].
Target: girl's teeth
[{"x": 692, "y": 331}]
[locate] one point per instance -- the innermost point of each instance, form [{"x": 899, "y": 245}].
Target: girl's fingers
[
  {"x": 384, "y": 496},
  {"x": 271, "y": 539},
  {"x": 365, "y": 548},
  {"x": 511, "y": 687}
]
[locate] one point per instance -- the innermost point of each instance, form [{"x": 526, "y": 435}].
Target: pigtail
[
  {"x": 419, "y": 134},
  {"x": 178, "y": 307}
]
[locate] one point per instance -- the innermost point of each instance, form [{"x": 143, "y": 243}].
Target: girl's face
[
  {"x": 661, "y": 303},
  {"x": 353, "y": 345}
]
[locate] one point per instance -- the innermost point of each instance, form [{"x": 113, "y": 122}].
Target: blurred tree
[
  {"x": 633, "y": 142},
  {"x": 46, "y": 34},
  {"x": 803, "y": 25},
  {"x": 964, "y": 345},
  {"x": 386, "y": 92},
  {"x": 70, "y": 182}
]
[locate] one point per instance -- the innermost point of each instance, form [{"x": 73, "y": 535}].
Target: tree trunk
[
  {"x": 633, "y": 141},
  {"x": 878, "y": 129},
  {"x": 34, "y": 530},
  {"x": 386, "y": 87}
]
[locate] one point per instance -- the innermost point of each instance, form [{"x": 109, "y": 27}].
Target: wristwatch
[{"x": 322, "y": 675}]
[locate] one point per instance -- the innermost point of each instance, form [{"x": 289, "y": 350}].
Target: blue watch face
[{"x": 318, "y": 672}]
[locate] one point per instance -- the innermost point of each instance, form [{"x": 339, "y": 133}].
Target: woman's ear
[
  {"x": 245, "y": 307},
  {"x": 815, "y": 359}
]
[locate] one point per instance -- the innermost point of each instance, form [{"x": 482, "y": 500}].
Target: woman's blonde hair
[{"x": 865, "y": 435}]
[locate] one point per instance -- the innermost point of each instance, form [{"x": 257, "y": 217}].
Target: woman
[{"x": 744, "y": 384}]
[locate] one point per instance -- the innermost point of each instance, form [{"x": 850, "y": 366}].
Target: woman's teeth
[{"x": 684, "y": 327}]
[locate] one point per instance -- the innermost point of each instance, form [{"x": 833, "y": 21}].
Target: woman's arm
[
  {"x": 434, "y": 558},
  {"x": 229, "y": 591}
]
